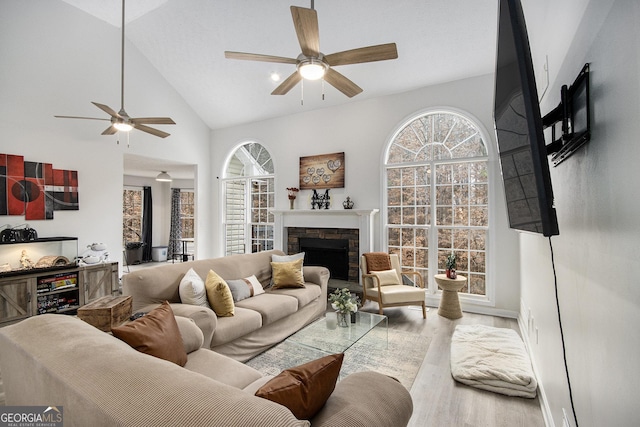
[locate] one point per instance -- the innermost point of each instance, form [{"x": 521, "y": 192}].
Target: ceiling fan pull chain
[
  {"x": 323, "y": 89},
  {"x": 302, "y": 92}
]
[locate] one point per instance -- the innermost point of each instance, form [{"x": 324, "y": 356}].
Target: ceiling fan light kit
[
  {"x": 311, "y": 64},
  {"x": 121, "y": 121},
  {"x": 312, "y": 69}
]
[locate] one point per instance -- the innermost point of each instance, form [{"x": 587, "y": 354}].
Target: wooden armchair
[{"x": 387, "y": 289}]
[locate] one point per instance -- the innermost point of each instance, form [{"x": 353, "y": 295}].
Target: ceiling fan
[
  {"x": 121, "y": 121},
  {"x": 312, "y": 64}
]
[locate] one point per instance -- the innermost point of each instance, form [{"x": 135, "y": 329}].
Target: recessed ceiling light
[{"x": 275, "y": 77}]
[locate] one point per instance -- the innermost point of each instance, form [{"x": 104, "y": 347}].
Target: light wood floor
[{"x": 438, "y": 400}]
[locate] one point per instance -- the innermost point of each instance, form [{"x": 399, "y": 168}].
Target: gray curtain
[{"x": 175, "y": 233}]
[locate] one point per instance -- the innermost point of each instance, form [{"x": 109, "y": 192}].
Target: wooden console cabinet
[{"x": 55, "y": 291}]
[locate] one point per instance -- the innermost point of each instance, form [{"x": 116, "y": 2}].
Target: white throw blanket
[{"x": 493, "y": 359}]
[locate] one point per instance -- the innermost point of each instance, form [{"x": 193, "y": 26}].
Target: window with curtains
[
  {"x": 437, "y": 197},
  {"x": 248, "y": 195},
  {"x": 132, "y": 210}
]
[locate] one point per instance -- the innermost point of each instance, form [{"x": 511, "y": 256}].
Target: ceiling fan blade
[
  {"x": 342, "y": 83},
  {"x": 152, "y": 131},
  {"x": 106, "y": 109},
  {"x": 288, "y": 84},
  {"x": 379, "y": 52},
  {"x": 305, "y": 22},
  {"x": 258, "y": 57},
  {"x": 111, "y": 130},
  {"x": 153, "y": 120},
  {"x": 85, "y": 118}
]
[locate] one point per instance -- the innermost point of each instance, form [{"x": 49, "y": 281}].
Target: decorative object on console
[
  {"x": 451, "y": 265},
  {"x": 322, "y": 202},
  {"x": 344, "y": 303},
  {"x": 51, "y": 260},
  {"x": 322, "y": 171},
  {"x": 94, "y": 254},
  {"x": 293, "y": 191},
  {"x": 25, "y": 261},
  {"x": 348, "y": 204}
]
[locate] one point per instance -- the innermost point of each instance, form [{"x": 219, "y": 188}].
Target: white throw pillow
[
  {"x": 192, "y": 290},
  {"x": 387, "y": 277}
]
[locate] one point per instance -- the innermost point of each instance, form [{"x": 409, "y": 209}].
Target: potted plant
[
  {"x": 451, "y": 265},
  {"x": 344, "y": 303}
]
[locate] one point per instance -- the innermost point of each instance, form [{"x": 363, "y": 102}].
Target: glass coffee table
[{"x": 319, "y": 336}]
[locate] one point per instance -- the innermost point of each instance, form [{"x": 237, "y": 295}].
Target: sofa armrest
[
  {"x": 317, "y": 275},
  {"x": 204, "y": 317},
  {"x": 366, "y": 399}
]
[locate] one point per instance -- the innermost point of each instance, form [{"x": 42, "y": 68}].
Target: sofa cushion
[
  {"x": 243, "y": 322},
  {"x": 245, "y": 288},
  {"x": 222, "y": 368},
  {"x": 156, "y": 334},
  {"x": 192, "y": 290},
  {"x": 305, "y": 388},
  {"x": 305, "y": 295},
  {"x": 392, "y": 294},
  {"x": 287, "y": 274},
  {"x": 192, "y": 336},
  {"x": 271, "y": 306},
  {"x": 219, "y": 295}
]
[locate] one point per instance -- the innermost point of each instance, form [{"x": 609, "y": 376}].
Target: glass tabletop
[{"x": 320, "y": 336}]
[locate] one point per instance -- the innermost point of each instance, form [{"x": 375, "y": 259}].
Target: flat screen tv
[{"x": 519, "y": 129}]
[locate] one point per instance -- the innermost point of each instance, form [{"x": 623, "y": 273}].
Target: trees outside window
[
  {"x": 131, "y": 215},
  {"x": 437, "y": 197}
]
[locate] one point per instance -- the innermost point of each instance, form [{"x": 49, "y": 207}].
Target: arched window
[
  {"x": 437, "y": 197},
  {"x": 248, "y": 195}
]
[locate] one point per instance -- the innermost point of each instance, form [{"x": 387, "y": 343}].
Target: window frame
[
  {"x": 247, "y": 223},
  {"x": 124, "y": 218},
  {"x": 432, "y": 292}
]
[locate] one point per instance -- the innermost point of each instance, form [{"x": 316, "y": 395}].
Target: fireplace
[
  {"x": 334, "y": 248},
  {"x": 354, "y": 225}
]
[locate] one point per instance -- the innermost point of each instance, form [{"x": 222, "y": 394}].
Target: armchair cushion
[
  {"x": 398, "y": 294},
  {"x": 387, "y": 277}
]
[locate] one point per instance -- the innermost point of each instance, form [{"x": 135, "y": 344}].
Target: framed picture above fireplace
[{"x": 322, "y": 171}]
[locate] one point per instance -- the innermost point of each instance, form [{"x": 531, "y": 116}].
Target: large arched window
[
  {"x": 248, "y": 196},
  {"x": 437, "y": 197}
]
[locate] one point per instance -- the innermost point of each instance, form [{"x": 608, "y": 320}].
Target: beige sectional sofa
[
  {"x": 259, "y": 322},
  {"x": 100, "y": 381}
]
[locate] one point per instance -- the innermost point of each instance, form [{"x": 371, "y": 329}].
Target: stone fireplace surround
[{"x": 355, "y": 225}]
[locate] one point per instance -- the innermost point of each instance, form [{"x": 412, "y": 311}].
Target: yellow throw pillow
[
  {"x": 287, "y": 274},
  {"x": 219, "y": 295},
  {"x": 387, "y": 277}
]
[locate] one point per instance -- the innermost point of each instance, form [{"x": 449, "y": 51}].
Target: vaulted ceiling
[{"x": 437, "y": 41}]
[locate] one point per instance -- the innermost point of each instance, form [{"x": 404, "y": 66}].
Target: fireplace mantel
[{"x": 361, "y": 219}]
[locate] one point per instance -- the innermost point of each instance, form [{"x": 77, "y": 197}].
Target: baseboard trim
[{"x": 542, "y": 397}]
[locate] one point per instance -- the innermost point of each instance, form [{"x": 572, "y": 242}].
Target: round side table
[{"x": 449, "y": 303}]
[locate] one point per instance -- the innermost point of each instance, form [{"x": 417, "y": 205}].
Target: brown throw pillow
[
  {"x": 287, "y": 274},
  {"x": 306, "y": 388},
  {"x": 156, "y": 334}
]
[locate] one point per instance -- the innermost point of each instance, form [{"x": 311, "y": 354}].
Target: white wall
[
  {"x": 362, "y": 130},
  {"x": 597, "y": 254},
  {"x": 55, "y": 60}
]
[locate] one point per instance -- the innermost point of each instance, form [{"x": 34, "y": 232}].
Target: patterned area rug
[{"x": 401, "y": 359}]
